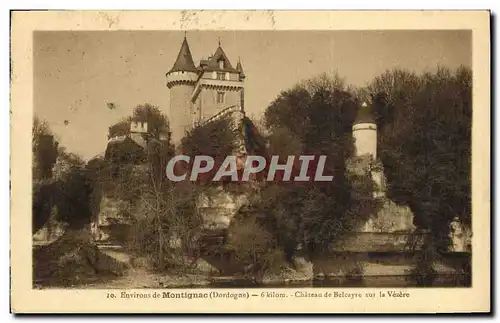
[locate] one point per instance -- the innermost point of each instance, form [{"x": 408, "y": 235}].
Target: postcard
[{"x": 250, "y": 162}]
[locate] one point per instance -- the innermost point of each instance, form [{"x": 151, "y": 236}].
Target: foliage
[
  {"x": 165, "y": 226},
  {"x": 324, "y": 82},
  {"x": 424, "y": 273},
  {"x": 425, "y": 145},
  {"x": 252, "y": 245},
  {"x": 60, "y": 184},
  {"x": 164, "y": 220},
  {"x": 158, "y": 125},
  {"x": 128, "y": 151},
  {"x": 65, "y": 160},
  {"x": 121, "y": 128},
  {"x": 73, "y": 200},
  {"x": 70, "y": 195},
  {"x": 424, "y": 124},
  {"x": 44, "y": 148},
  {"x": 44, "y": 198},
  {"x": 135, "y": 175},
  {"x": 75, "y": 189},
  {"x": 313, "y": 118},
  {"x": 215, "y": 139},
  {"x": 40, "y": 127}
]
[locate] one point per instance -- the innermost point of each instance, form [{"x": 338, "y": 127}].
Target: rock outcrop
[
  {"x": 301, "y": 271},
  {"x": 218, "y": 207},
  {"x": 73, "y": 259}
]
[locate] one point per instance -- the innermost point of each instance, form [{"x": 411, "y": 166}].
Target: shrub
[{"x": 252, "y": 245}]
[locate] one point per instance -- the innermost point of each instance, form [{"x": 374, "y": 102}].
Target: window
[
  {"x": 220, "y": 97},
  {"x": 221, "y": 76},
  {"x": 221, "y": 64}
]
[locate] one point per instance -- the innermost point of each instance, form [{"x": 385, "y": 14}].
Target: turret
[
  {"x": 181, "y": 80},
  {"x": 138, "y": 129},
  {"x": 364, "y": 131},
  {"x": 199, "y": 92},
  {"x": 239, "y": 68}
]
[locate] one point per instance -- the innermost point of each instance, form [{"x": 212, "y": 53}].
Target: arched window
[{"x": 221, "y": 64}]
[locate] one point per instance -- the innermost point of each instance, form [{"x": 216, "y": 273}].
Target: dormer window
[{"x": 221, "y": 64}]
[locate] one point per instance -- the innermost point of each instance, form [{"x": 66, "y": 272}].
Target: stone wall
[
  {"x": 208, "y": 105},
  {"x": 218, "y": 207},
  {"x": 110, "y": 220},
  {"x": 377, "y": 242},
  {"x": 390, "y": 218},
  {"x": 342, "y": 264},
  {"x": 180, "y": 113}
]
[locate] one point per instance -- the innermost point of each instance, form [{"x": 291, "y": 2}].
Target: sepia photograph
[{"x": 196, "y": 161}]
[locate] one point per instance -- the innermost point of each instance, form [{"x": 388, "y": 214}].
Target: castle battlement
[{"x": 138, "y": 127}]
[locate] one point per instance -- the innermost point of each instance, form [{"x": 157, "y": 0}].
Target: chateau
[{"x": 200, "y": 92}]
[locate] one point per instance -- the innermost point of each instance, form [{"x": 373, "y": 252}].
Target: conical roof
[
  {"x": 184, "y": 60},
  {"x": 239, "y": 68},
  {"x": 365, "y": 114}
]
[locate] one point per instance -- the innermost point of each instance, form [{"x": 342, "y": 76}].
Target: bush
[
  {"x": 424, "y": 273},
  {"x": 166, "y": 227},
  {"x": 254, "y": 248}
]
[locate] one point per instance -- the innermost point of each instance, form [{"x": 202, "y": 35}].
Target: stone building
[
  {"x": 203, "y": 92},
  {"x": 198, "y": 92}
]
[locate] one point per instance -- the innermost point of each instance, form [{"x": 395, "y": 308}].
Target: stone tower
[
  {"x": 239, "y": 68},
  {"x": 200, "y": 92},
  {"x": 181, "y": 80},
  {"x": 390, "y": 217},
  {"x": 364, "y": 131}
]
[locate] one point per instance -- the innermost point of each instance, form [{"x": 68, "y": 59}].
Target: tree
[
  {"x": 44, "y": 194},
  {"x": 45, "y": 153},
  {"x": 161, "y": 213},
  {"x": 158, "y": 125},
  {"x": 316, "y": 116},
  {"x": 216, "y": 139},
  {"x": 73, "y": 198},
  {"x": 44, "y": 149},
  {"x": 253, "y": 246},
  {"x": 157, "y": 139},
  {"x": 121, "y": 128},
  {"x": 65, "y": 160},
  {"x": 425, "y": 145}
]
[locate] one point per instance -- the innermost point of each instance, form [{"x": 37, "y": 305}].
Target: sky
[{"x": 77, "y": 73}]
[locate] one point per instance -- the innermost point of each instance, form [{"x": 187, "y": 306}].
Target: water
[{"x": 371, "y": 281}]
